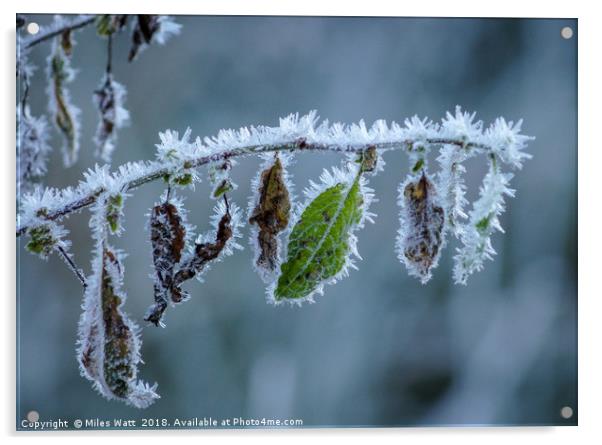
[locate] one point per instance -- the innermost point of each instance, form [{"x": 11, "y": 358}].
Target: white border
[{"x": 590, "y": 306}]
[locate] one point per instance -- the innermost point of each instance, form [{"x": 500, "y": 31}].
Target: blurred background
[{"x": 379, "y": 348}]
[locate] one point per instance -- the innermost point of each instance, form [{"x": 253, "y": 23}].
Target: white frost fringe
[{"x": 91, "y": 324}]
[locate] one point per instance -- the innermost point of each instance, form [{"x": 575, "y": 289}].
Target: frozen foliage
[
  {"x": 32, "y": 149},
  {"x": 219, "y": 177},
  {"x": 421, "y": 234},
  {"x": 46, "y": 238},
  {"x": 170, "y": 238},
  {"x": 109, "y": 98},
  {"x": 483, "y": 221},
  {"x": 269, "y": 212},
  {"x": 235, "y": 223},
  {"x": 322, "y": 245},
  {"x": 298, "y": 248},
  {"x": 108, "y": 341},
  {"x": 461, "y": 125},
  {"x": 64, "y": 114}
]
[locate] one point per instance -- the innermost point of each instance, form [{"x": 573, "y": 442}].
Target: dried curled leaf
[
  {"x": 151, "y": 28},
  {"x": 64, "y": 113},
  {"x": 177, "y": 269},
  {"x": 67, "y": 42},
  {"x": 205, "y": 252},
  {"x": 109, "y": 346},
  {"x": 168, "y": 236},
  {"x": 421, "y": 235},
  {"x": 271, "y": 215},
  {"x": 109, "y": 99},
  {"x": 146, "y": 26},
  {"x": 322, "y": 240}
]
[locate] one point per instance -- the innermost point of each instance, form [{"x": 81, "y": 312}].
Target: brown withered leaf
[
  {"x": 271, "y": 214},
  {"x": 168, "y": 241},
  {"x": 67, "y": 42},
  {"x": 426, "y": 220},
  {"x": 146, "y": 26},
  {"x": 205, "y": 252},
  {"x": 368, "y": 160}
]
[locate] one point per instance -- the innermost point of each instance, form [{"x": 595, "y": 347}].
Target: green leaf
[
  {"x": 41, "y": 241},
  {"x": 224, "y": 186},
  {"x": 104, "y": 25},
  {"x": 319, "y": 244}
]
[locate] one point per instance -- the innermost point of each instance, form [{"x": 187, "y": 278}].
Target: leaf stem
[{"x": 72, "y": 266}]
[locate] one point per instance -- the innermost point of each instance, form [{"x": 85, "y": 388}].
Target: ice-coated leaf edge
[
  {"x": 329, "y": 178},
  {"x": 141, "y": 394}
]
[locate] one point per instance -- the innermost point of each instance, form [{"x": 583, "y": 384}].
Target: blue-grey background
[{"x": 378, "y": 348}]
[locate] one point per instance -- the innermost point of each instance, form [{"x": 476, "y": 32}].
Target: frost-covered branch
[{"x": 294, "y": 134}]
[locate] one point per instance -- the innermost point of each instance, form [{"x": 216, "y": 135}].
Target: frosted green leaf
[{"x": 321, "y": 241}]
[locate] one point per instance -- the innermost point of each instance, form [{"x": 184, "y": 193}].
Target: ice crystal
[
  {"x": 109, "y": 99},
  {"x": 507, "y": 143},
  {"x": 451, "y": 186},
  {"x": 177, "y": 154},
  {"x": 483, "y": 222},
  {"x": 461, "y": 125}
]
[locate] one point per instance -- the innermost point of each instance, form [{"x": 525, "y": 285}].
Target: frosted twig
[
  {"x": 47, "y": 33},
  {"x": 90, "y": 198},
  {"x": 293, "y": 134}
]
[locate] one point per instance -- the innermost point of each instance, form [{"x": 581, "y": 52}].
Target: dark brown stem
[
  {"x": 72, "y": 266},
  {"x": 75, "y": 24},
  {"x": 109, "y": 53}
]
